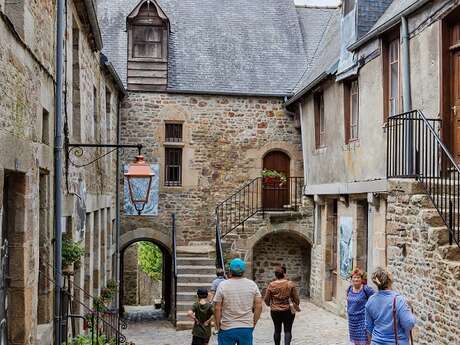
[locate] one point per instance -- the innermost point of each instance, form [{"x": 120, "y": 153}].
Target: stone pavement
[{"x": 313, "y": 326}]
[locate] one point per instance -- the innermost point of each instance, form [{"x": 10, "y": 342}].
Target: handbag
[{"x": 395, "y": 324}]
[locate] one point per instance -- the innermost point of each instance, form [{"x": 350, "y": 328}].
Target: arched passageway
[
  {"x": 137, "y": 287},
  {"x": 282, "y": 248}
]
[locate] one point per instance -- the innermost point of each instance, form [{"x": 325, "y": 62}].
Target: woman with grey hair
[{"x": 389, "y": 320}]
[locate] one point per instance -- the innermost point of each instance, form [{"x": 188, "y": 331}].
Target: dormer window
[
  {"x": 147, "y": 42},
  {"x": 147, "y": 47}
]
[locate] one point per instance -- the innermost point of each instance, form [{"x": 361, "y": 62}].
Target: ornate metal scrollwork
[{"x": 79, "y": 151}]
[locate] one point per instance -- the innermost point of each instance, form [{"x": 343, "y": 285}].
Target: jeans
[
  {"x": 282, "y": 318},
  {"x": 236, "y": 336}
]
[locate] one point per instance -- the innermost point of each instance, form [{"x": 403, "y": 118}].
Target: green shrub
[
  {"x": 71, "y": 253},
  {"x": 150, "y": 260}
]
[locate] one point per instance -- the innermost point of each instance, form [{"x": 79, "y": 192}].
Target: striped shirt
[{"x": 237, "y": 297}]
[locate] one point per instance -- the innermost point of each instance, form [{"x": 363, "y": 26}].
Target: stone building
[
  {"x": 206, "y": 87},
  {"x": 359, "y": 79},
  {"x": 27, "y": 74}
]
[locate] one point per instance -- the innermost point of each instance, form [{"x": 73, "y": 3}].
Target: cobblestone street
[{"x": 313, "y": 326}]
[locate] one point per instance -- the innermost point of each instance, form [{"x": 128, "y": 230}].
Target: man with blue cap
[{"x": 238, "y": 305}]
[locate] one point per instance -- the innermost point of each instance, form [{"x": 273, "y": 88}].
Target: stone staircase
[{"x": 195, "y": 268}]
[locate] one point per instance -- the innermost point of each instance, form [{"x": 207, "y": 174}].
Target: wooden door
[
  {"x": 334, "y": 266},
  {"x": 454, "y": 86},
  {"x": 275, "y": 196}
]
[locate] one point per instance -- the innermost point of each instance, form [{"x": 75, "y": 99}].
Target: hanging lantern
[{"x": 139, "y": 178}]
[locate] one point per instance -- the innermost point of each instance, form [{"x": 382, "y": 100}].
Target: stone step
[
  {"x": 196, "y": 278},
  {"x": 191, "y": 287},
  {"x": 188, "y": 297},
  {"x": 193, "y": 269},
  {"x": 195, "y": 261},
  {"x": 450, "y": 252},
  {"x": 439, "y": 234},
  {"x": 194, "y": 250},
  {"x": 432, "y": 217},
  {"x": 184, "y": 306},
  {"x": 184, "y": 325}
]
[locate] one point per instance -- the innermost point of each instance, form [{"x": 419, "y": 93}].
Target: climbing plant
[{"x": 150, "y": 260}]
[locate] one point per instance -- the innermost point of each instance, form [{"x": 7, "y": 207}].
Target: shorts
[
  {"x": 232, "y": 336},
  {"x": 199, "y": 341}
]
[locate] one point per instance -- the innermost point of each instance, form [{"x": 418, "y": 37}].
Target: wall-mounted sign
[{"x": 151, "y": 208}]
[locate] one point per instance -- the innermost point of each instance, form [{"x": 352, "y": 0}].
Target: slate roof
[
  {"x": 396, "y": 7},
  {"x": 313, "y": 23},
  {"x": 369, "y": 12},
  {"x": 224, "y": 46},
  {"x": 325, "y": 59}
]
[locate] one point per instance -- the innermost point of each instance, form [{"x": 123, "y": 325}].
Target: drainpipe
[
  {"x": 117, "y": 210},
  {"x": 406, "y": 88},
  {"x": 58, "y": 172}
]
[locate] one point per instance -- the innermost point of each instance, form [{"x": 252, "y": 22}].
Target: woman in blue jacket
[{"x": 389, "y": 319}]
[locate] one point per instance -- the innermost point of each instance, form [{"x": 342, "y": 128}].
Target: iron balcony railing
[
  {"x": 415, "y": 150},
  {"x": 98, "y": 323},
  {"x": 260, "y": 195}
]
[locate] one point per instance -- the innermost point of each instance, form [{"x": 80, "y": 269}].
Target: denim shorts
[{"x": 239, "y": 336}]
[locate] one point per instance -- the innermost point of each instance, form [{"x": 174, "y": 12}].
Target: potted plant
[
  {"x": 71, "y": 254},
  {"x": 273, "y": 177}
]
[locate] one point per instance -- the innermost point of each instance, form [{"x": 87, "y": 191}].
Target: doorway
[
  {"x": 276, "y": 195},
  {"x": 12, "y": 282},
  {"x": 450, "y": 97},
  {"x": 331, "y": 251},
  {"x": 145, "y": 287}
]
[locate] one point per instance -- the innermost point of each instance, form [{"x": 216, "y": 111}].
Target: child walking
[{"x": 201, "y": 313}]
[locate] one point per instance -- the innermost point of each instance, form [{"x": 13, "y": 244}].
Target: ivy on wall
[{"x": 150, "y": 260}]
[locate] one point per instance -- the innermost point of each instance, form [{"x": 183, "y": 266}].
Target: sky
[{"x": 317, "y": 2}]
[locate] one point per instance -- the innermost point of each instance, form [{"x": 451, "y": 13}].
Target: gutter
[
  {"x": 113, "y": 73},
  {"x": 229, "y": 93},
  {"x": 324, "y": 75},
  {"x": 93, "y": 22},
  {"x": 388, "y": 24}
]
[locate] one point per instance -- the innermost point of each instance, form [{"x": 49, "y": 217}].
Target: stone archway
[
  {"x": 282, "y": 248},
  {"x": 164, "y": 243}
]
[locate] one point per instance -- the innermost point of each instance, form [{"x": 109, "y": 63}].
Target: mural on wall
[
  {"x": 346, "y": 246},
  {"x": 151, "y": 208}
]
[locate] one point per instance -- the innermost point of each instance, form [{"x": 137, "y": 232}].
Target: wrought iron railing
[
  {"x": 174, "y": 262},
  {"x": 96, "y": 323},
  {"x": 260, "y": 195},
  {"x": 415, "y": 150}
]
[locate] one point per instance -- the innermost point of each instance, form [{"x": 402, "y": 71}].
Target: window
[
  {"x": 392, "y": 78},
  {"x": 108, "y": 113},
  {"x": 147, "y": 42},
  {"x": 148, "y": 34},
  {"x": 95, "y": 124},
  {"x": 45, "y": 127},
  {"x": 173, "y": 132},
  {"x": 348, "y": 6},
  {"x": 351, "y": 107},
  {"x": 320, "y": 125},
  {"x": 173, "y": 165},
  {"x": 173, "y": 155}
]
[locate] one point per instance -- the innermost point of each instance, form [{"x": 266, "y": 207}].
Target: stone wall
[
  {"x": 426, "y": 269},
  {"x": 224, "y": 141},
  {"x": 282, "y": 248},
  {"x": 138, "y": 287}
]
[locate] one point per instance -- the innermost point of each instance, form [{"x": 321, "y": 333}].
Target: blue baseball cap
[{"x": 237, "y": 266}]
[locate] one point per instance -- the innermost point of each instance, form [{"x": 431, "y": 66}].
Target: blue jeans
[{"x": 238, "y": 336}]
